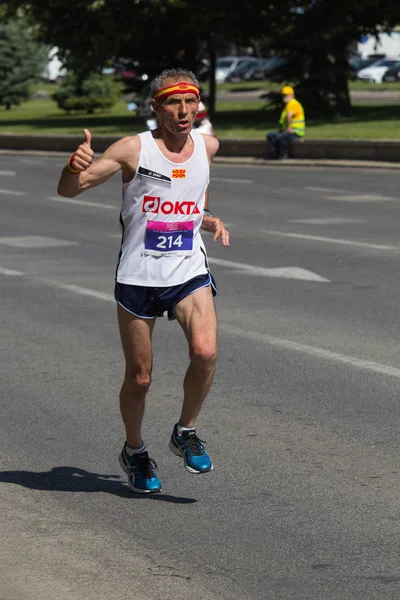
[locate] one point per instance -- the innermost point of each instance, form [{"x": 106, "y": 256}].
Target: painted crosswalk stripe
[
  {"x": 231, "y": 180},
  {"x": 317, "y": 238},
  {"x": 8, "y": 173},
  {"x": 12, "y": 272},
  {"x": 352, "y": 361},
  {"x": 34, "y": 241},
  {"x": 83, "y": 203},
  {"x": 280, "y": 272},
  {"x": 359, "y": 363},
  {"x": 13, "y": 192},
  {"x": 312, "y": 188},
  {"x": 361, "y": 198},
  {"x": 327, "y": 221},
  {"x": 82, "y": 291}
]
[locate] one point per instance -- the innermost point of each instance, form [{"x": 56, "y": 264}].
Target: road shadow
[{"x": 72, "y": 479}]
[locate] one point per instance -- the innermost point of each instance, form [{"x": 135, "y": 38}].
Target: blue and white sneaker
[
  {"x": 189, "y": 447},
  {"x": 141, "y": 472}
]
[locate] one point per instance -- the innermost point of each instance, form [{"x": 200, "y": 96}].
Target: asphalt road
[{"x": 302, "y": 421}]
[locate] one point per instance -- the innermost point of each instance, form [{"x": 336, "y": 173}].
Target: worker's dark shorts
[{"x": 151, "y": 302}]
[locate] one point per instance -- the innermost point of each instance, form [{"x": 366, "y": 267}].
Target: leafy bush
[{"x": 94, "y": 93}]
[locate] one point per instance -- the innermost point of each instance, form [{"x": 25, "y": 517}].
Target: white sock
[
  {"x": 131, "y": 451},
  {"x": 181, "y": 428}
]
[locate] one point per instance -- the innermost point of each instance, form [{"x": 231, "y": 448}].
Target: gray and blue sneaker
[
  {"x": 141, "y": 472},
  {"x": 189, "y": 447}
]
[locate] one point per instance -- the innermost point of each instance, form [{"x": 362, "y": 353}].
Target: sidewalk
[{"x": 246, "y": 161}]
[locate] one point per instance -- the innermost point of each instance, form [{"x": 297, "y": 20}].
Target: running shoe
[
  {"x": 189, "y": 447},
  {"x": 141, "y": 472}
]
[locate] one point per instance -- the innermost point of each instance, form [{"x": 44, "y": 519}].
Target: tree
[
  {"x": 21, "y": 62},
  {"x": 174, "y": 32},
  {"x": 95, "y": 92},
  {"x": 315, "y": 37}
]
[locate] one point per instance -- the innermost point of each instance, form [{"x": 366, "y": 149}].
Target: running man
[{"x": 162, "y": 264}]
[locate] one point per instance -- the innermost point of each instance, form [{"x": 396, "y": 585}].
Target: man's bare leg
[
  {"x": 136, "y": 343},
  {"x": 197, "y": 317}
]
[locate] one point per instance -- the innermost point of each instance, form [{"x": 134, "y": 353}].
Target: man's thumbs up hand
[
  {"x": 83, "y": 157},
  {"x": 88, "y": 137}
]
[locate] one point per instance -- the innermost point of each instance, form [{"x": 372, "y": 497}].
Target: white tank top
[{"x": 162, "y": 210}]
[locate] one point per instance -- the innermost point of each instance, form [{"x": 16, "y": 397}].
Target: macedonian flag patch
[{"x": 178, "y": 173}]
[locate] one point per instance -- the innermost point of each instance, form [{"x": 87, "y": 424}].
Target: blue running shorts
[{"x": 151, "y": 302}]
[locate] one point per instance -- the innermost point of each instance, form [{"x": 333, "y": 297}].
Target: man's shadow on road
[{"x": 72, "y": 479}]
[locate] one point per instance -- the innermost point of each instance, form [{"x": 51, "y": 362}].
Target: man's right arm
[{"x": 91, "y": 173}]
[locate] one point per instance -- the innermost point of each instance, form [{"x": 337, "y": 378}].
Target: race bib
[{"x": 165, "y": 239}]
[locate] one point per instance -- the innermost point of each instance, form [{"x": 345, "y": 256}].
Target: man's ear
[{"x": 154, "y": 105}]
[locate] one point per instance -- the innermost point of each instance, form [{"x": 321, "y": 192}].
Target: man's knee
[
  {"x": 203, "y": 355},
  {"x": 138, "y": 378}
]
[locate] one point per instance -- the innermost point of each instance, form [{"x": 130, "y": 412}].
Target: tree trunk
[
  {"x": 212, "y": 86},
  {"x": 342, "y": 94}
]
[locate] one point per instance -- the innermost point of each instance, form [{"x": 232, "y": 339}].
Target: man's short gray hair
[{"x": 178, "y": 74}]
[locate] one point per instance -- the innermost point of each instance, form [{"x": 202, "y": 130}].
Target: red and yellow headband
[{"x": 179, "y": 88}]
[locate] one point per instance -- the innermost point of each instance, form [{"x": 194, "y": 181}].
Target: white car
[
  {"x": 374, "y": 73},
  {"x": 226, "y": 64}
]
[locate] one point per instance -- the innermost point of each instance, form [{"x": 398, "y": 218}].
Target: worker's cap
[{"x": 286, "y": 90}]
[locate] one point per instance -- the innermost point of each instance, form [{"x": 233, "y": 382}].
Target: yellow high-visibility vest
[{"x": 298, "y": 123}]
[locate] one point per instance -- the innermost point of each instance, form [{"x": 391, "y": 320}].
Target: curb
[
  {"x": 246, "y": 161},
  {"x": 380, "y": 154}
]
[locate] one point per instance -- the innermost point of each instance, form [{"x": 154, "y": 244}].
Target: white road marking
[
  {"x": 281, "y": 272},
  {"x": 76, "y": 289},
  {"x": 4, "y": 271},
  {"x": 327, "y": 221},
  {"x": 31, "y": 161},
  {"x": 83, "y": 203},
  {"x": 8, "y": 173},
  {"x": 317, "y": 238},
  {"x": 323, "y": 189},
  {"x": 361, "y": 198},
  {"x": 231, "y": 180},
  {"x": 359, "y": 363},
  {"x": 34, "y": 241},
  {"x": 13, "y": 193},
  {"x": 348, "y": 196},
  {"x": 252, "y": 335}
]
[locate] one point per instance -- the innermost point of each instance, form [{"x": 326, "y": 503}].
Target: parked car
[
  {"x": 203, "y": 72},
  {"x": 269, "y": 65},
  {"x": 392, "y": 74},
  {"x": 255, "y": 70},
  {"x": 375, "y": 72},
  {"x": 226, "y": 64},
  {"x": 247, "y": 70},
  {"x": 356, "y": 63}
]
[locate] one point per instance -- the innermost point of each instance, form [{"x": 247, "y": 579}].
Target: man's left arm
[
  {"x": 211, "y": 223},
  {"x": 289, "y": 119}
]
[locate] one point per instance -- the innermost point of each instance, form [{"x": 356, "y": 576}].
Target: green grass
[
  {"x": 393, "y": 86},
  {"x": 270, "y": 86},
  {"x": 233, "y": 120},
  {"x": 366, "y": 122}
]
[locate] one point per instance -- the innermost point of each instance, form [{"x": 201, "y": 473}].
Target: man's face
[
  {"x": 287, "y": 98},
  {"x": 177, "y": 112}
]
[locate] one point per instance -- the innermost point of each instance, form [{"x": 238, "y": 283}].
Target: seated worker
[{"x": 291, "y": 125}]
